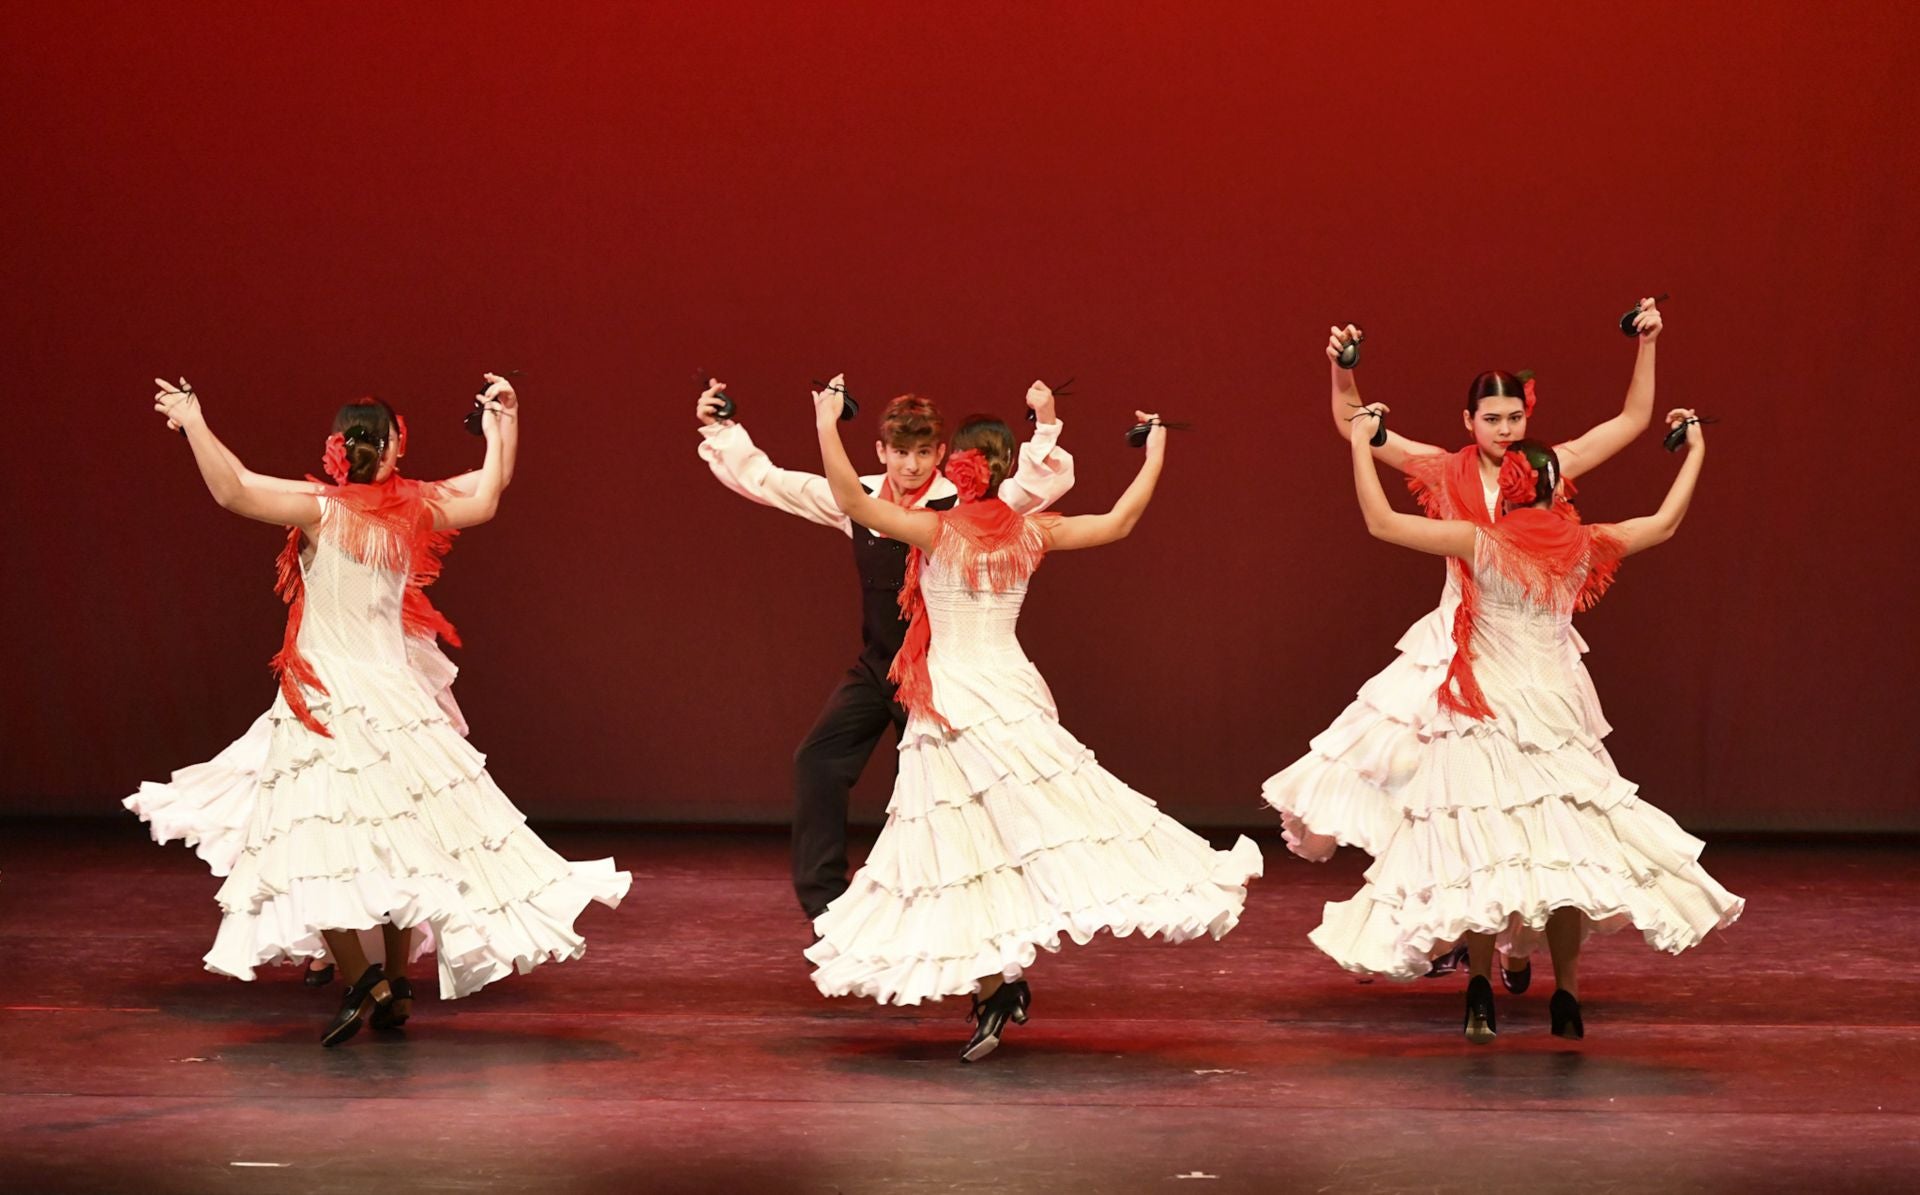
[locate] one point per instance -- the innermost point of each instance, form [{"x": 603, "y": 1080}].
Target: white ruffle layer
[
  {"x": 209, "y": 804},
  {"x": 1345, "y": 790},
  {"x": 1496, "y": 835},
  {"x": 1001, "y": 838},
  {"x": 395, "y": 819}
]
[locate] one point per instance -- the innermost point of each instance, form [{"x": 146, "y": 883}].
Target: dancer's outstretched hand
[
  {"x": 1695, "y": 437},
  {"x": 707, "y": 410},
  {"x": 1366, "y": 421},
  {"x": 1648, "y": 321},
  {"x": 179, "y": 404},
  {"x": 1156, "y": 433},
  {"x": 1341, "y": 338},
  {"x": 828, "y": 401}
]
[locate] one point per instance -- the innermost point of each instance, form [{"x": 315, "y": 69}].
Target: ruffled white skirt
[
  {"x": 1345, "y": 791},
  {"x": 1502, "y": 822},
  {"x": 1003, "y": 836},
  {"x": 394, "y": 819},
  {"x": 209, "y": 806}
]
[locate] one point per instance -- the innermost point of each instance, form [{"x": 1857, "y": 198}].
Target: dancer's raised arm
[
  {"x": 1650, "y": 531},
  {"x": 471, "y": 510},
  {"x": 1438, "y": 537},
  {"x": 1582, "y": 454},
  {"x": 495, "y": 389},
  {"x": 744, "y": 468},
  {"x": 916, "y": 527},
  {"x": 1091, "y": 531},
  {"x": 222, "y": 470},
  {"x": 1043, "y": 470},
  {"x": 1345, "y": 400}
]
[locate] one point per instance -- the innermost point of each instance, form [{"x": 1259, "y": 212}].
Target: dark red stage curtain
[{"x": 293, "y": 204}]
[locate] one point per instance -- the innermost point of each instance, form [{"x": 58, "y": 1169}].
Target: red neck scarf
[
  {"x": 913, "y": 499},
  {"x": 1448, "y": 486},
  {"x": 388, "y": 524},
  {"x": 995, "y": 548}
]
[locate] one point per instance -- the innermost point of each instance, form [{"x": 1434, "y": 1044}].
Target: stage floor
[{"x": 687, "y": 1051}]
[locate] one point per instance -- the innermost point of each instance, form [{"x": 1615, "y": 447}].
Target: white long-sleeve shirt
[{"x": 1043, "y": 474}]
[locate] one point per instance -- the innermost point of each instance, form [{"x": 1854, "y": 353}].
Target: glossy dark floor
[{"x": 688, "y": 1052}]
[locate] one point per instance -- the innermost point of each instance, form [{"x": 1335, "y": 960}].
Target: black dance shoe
[
  {"x": 1448, "y": 963},
  {"x": 320, "y": 978},
  {"x": 1516, "y": 981},
  {"x": 1023, "y": 999},
  {"x": 358, "y": 1000},
  {"x": 1565, "y": 1011},
  {"x": 989, "y": 1017},
  {"x": 1479, "y": 1023},
  {"x": 392, "y": 1015}
]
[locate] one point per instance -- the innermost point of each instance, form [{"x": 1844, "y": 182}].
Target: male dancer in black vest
[{"x": 911, "y": 448}]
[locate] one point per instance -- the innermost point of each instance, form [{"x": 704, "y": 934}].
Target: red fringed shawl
[
  {"x": 1447, "y": 486},
  {"x": 389, "y": 525},
  {"x": 994, "y": 548}
]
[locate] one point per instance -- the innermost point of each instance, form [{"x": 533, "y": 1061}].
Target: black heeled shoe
[
  {"x": 1565, "y": 1011},
  {"x": 1516, "y": 981},
  {"x": 1448, "y": 963},
  {"x": 358, "y": 1000},
  {"x": 1023, "y": 999},
  {"x": 989, "y": 1017},
  {"x": 1479, "y": 1025},
  {"x": 320, "y": 978},
  {"x": 391, "y": 1015}
]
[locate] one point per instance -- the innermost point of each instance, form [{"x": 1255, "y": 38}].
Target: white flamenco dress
[
  {"x": 1345, "y": 790},
  {"x": 391, "y": 815},
  {"x": 1502, "y": 820},
  {"x": 1004, "y": 833}
]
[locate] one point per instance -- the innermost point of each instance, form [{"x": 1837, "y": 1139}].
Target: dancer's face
[
  {"x": 909, "y": 467},
  {"x": 1496, "y": 423}
]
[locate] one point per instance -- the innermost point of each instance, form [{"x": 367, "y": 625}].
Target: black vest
[{"x": 882, "y": 565}]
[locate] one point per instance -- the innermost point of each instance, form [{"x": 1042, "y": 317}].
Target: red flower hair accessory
[
  {"x": 335, "y": 459},
  {"x": 400, "y": 432},
  {"x": 1519, "y": 480},
  {"x": 1528, "y": 397},
  {"x": 969, "y": 472}
]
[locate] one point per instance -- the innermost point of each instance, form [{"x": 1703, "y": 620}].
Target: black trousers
[{"x": 825, "y": 767}]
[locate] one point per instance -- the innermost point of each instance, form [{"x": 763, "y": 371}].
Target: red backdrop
[{"x": 291, "y": 206}]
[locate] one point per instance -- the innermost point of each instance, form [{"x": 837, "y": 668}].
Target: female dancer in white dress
[
  {"x": 209, "y": 805},
  {"x": 373, "y": 811},
  {"x": 1511, "y": 821},
  {"x": 1003, "y": 832},
  {"x": 1343, "y": 790}
]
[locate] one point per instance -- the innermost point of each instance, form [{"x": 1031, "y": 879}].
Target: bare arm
[
  {"x": 916, "y": 527},
  {"x": 458, "y": 512},
  {"x": 1657, "y": 528},
  {"x": 465, "y": 485},
  {"x": 1438, "y": 537},
  {"x": 1090, "y": 531},
  {"x": 1346, "y": 400},
  {"x": 1585, "y": 453},
  {"x": 221, "y": 470}
]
